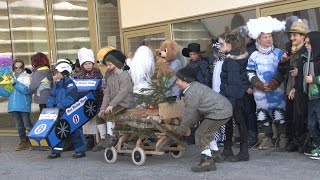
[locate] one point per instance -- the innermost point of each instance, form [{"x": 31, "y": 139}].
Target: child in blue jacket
[
  {"x": 19, "y": 102},
  {"x": 64, "y": 94}
]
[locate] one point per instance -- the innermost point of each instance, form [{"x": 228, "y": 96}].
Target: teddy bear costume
[{"x": 169, "y": 64}]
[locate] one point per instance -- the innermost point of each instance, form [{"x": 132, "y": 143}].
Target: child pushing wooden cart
[{"x": 144, "y": 132}]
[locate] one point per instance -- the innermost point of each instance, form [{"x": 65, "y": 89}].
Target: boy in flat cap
[
  {"x": 203, "y": 105},
  {"x": 296, "y": 100}
]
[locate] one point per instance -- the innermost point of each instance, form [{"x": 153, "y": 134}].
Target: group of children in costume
[{"x": 250, "y": 70}]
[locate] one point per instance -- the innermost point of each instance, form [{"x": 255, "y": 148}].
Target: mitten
[
  {"x": 273, "y": 84},
  {"x": 259, "y": 85}
]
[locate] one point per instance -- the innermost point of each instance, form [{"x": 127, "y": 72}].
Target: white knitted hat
[{"x": 85, "y": 55}]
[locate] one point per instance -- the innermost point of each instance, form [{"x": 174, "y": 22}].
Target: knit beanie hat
[
  {"x": 85, "y": 55},
  {"x": 117, "y": 58},
  {"x": 187, "y": 74}
]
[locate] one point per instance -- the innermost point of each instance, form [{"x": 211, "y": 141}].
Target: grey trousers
[{"x": 205, "y": 131}]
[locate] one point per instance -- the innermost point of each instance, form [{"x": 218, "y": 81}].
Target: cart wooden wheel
[
  {"x": 176, "y": 154},
  {"x": 138, "y": 156},
  {"x": 110, "y": 155}
]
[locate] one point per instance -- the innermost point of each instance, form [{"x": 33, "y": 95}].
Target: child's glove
[
  {"x": 182, "y": 131},
  {"x": 9, "y": 87},
  {"x": 259, "y": 85},
  {"x": 273, "y": 84}
]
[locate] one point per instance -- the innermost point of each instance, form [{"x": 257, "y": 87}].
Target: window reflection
[
  {"x": 108, "y": 23},
  {"x": 27, "y": 28},
  {"x": 204, "y": 30},
  {"x": 5, "y": 40},
  {"x": 311, "y": 16},
  {"x": 71, "y": 27},
  {"x": 152, "y": 41}
]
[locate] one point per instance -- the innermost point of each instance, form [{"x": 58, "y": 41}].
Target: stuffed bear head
[{"x": 169, "y": 50}]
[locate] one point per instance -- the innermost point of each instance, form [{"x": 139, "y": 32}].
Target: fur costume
[
  {"x": 169, "y": 64},
  {"x": 142, "y": 69}
]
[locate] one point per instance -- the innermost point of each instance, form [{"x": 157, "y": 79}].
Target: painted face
[
  {"x": 297, "y": 39},
  {"x": 194, "y": 56},
  {"x": 18, "y": 68},
  {"x": 265, "y": 40},
  {"x": 111, "y": 67},
  {"x": 224, "y": 47},
  {"x": 87, "y": 66},
  {"x": 307, "y": 43}
]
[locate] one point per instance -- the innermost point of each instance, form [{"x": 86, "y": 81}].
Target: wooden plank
[
  {"x": 168, "y": 134},
  {"x": 147, "y": 152},
  {"x": 171, "y": 110},
  {"x": 142, "y": 112}
]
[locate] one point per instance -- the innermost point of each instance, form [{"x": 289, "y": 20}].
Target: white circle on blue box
[
  {"x": 76, "y": 119},
  {"x": 40, "y": 129}
]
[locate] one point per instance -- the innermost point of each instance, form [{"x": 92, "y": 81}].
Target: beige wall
[{"x": 140, "y": 12}]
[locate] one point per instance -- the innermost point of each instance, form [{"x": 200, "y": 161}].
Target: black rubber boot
[
  {"x": 252, "y": 138},
  {"x": 227, "y": 152},
  {"x": 243, "y": 155},
  {"x": 79, "y": 155},
  {"x": 206, "y": 164},
  {"x": 54, "y": 156},
  {"x": 291, "y": 147}
]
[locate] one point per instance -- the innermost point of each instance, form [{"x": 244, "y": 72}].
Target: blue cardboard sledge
[
  {"x": 85, "y": 85},
  {"x": 40, "y": 131},
  {"x": 50, "y": 129}
]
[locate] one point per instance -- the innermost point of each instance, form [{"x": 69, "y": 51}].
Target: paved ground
[{"x": 264, "y": 165}]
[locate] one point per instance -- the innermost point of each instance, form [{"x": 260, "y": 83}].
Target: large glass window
[
  {"x": 152, "y": 41},
  {"x": 5, "y": 39},
  {"x": 5, "y": 43},
  {"x": 311, "y": 16},
  {"x": 204, "y": 30},
  {"x": 28, "y": 32},
  {"x": 108, "y": 23},
  {"x": 71, "y": 27}
]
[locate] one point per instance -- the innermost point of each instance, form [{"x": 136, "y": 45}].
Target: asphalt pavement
[{"x": 263, "y": 165}]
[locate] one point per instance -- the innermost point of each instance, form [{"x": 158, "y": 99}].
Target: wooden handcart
[{"x": 134, "y": 143}]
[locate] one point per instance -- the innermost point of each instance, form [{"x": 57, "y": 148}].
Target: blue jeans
[
  {"x": 314, "y": 121},
  {"x": 23, "y": 123},
  {"x": 78, "y": 142}
]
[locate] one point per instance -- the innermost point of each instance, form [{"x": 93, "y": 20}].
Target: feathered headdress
[{"x": 264, "y": 25}]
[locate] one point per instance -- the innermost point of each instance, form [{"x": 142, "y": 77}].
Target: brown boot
[
  {"x": 206, "y": 164},
  {"x": 266, "y": 143},
  {"x": 282, "y": 141},
  {"x": 23, "y": 145}
]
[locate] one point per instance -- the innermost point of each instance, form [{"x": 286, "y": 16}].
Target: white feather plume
[
  {"x": 264, "y": 25},
  {"x": 142, "y": 68}
]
